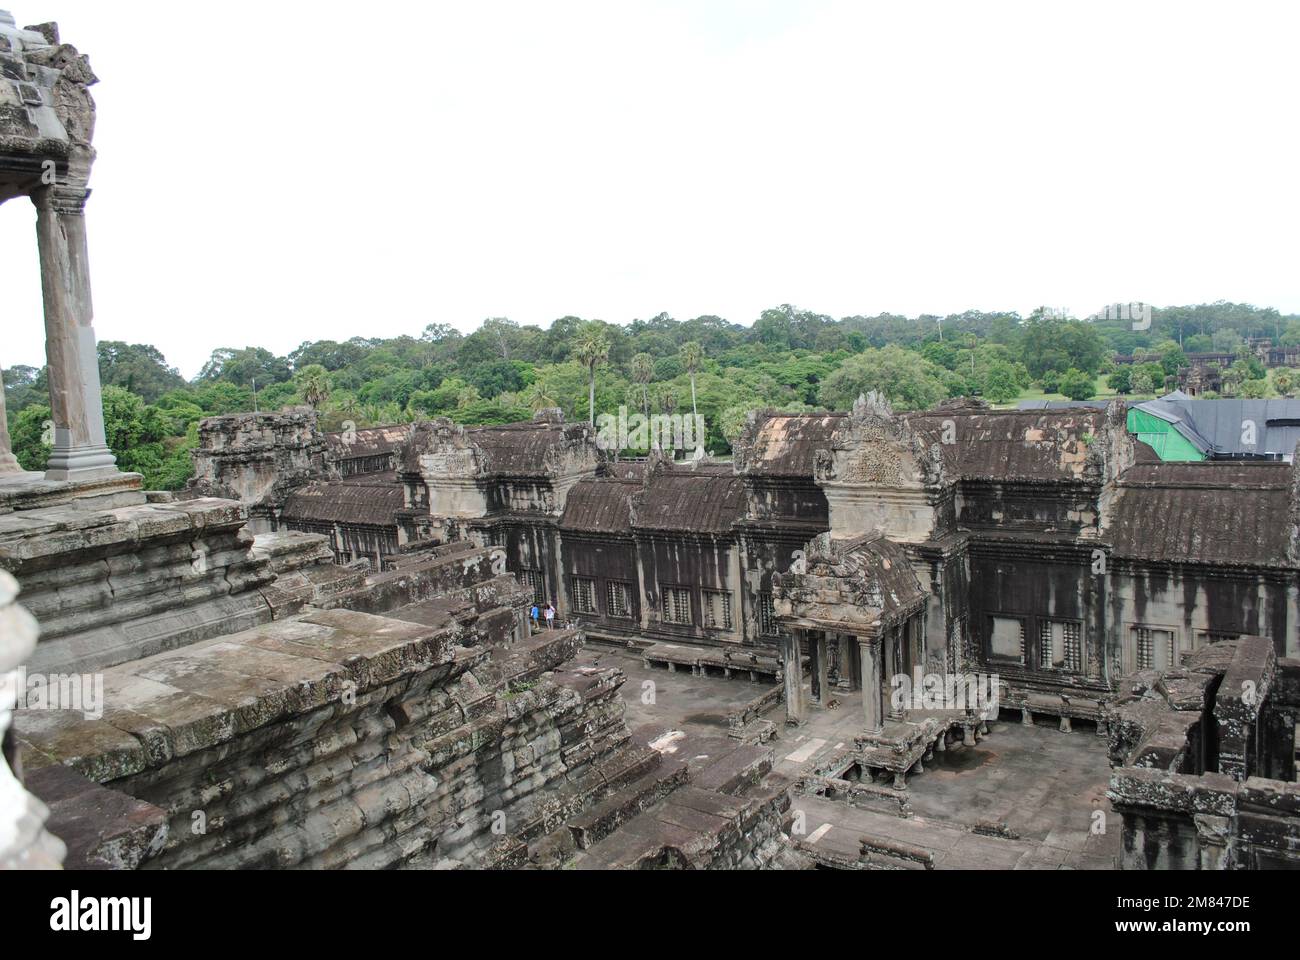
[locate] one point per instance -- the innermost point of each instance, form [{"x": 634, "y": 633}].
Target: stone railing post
[
  {"x": 24, "y": 842},
  {"x": 80, "y": 448}
]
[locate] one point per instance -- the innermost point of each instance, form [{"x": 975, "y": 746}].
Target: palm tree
[
  {"x": 643, "y": 371},
  {"x": 693, "y": 360},
  {"x": 313, "y": 384},
  {"x": 348, "y": 405},
  {"x": 538, "y": 397},
  {"x": 591, "y": 349}
]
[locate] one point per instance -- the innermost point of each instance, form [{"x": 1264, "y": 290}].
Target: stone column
[
  {"x": 80, "y": 448},
  {"x": 823, "y": 643},
  {"x": 892, "y": 661},
  {"x": 8, "y": 462},
  {"x": 815, "y": 654},
  {"x": 24, "y": 842},
  {"x": 794, "y": 709},
  {"x": 869, "y": 652},
  {"x": 848, "y": 653}
]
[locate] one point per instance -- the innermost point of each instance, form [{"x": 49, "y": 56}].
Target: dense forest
[{"x": 788, "y": 359}]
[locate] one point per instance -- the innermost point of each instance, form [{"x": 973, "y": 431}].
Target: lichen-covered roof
[
  {"x": 623, "y": 469},
  {"x": 1032, "y": 445},
  {"x": 370, "y": 501},
  {"x": 699, "y": 499},
  {"x": 600, "y": 505},
  {"x": 1216, "y": 512},
  {"x": 369, "y": 442},
  {"x": 520, "y": 449},
  {"x": 702, "y": 499},
  {"x": 786, "y": 444},
  {"x": 541, "y": 448}
]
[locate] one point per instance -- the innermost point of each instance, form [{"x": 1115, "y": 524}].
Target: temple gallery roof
[
  {"x": 522, "y": 448},
  {"x": 1035, "y": 445},
  {"x": 370, "y": 442},
  {"x": 600, "y": 505},
  {"x": 703, "y": 499},
  {"x": 369, "y": 501},
  {"x": 785, "y": 444},
  {"x": 541, "y": 448},
  {"x": 973, "y": 443},
  {"x": 1219, "y": 512}
]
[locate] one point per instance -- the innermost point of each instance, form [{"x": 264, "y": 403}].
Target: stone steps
[
  {"x": 610, "y": 792},
  {"x": 630, "y": 801},
  {"x": 695, "y": 827}
]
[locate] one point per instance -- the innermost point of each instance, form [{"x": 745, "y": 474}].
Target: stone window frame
[
  {"x": 1133, "y": 633},
  {"x": 1023, "y": 620},
  {"x": 1071, "y": 664},
  {"x": 584, "y": 588},
  {"x": 610, "y": 606},
  {"x": 728, "y": 609},
  {"x": 767, "y": 625},
  {"x": 676, "y": 597},
  {"x": 529, "y": 577}
]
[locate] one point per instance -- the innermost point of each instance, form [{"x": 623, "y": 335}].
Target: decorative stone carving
[
  {"x": 73, "y": 104},
  {"x": 876, "y": 448},
  {"x": 848, "y": 586}
]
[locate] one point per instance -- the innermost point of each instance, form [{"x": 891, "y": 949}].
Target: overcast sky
[{"x": 276, "y": 172}]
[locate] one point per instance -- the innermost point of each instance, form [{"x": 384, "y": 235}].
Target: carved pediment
[{"x": 876, "y": 448}]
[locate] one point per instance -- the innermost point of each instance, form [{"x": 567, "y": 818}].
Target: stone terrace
[{"x": 1024, "y": 797}]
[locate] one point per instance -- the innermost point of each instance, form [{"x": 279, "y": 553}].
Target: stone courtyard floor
[{"x": 1044, "y": 785}]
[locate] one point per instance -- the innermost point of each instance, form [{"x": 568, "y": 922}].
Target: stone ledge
[
  {"x": 38, "y": 539},
  {"x": 31, "y": 491},
  {"x": 183, "y": 701},
  {"x": 103, "y": 829}
]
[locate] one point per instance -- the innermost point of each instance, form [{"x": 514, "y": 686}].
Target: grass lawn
[{"x": 1103, "y": 392}]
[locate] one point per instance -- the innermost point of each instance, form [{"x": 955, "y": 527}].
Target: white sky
[{"x": 276, "y": 172}]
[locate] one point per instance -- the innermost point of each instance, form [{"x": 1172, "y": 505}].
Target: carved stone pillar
[
  {"x": 24, "y": 842},
  {"x": 823, "y": 646},
  {"x": 80, "y": 448},
  {"x": 873, "y": 711},
  {"x": 794, "y": 708},
  {"x": 847, "y": 653},
  {"x": 814, "y": 656}
]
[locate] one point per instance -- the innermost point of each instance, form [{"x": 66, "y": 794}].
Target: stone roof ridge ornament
[
  {"x": 656, "y": 465},
  {"x": 872, "y": 405},
  {"x": 742, "y": 450},
  {"x": 1110, "y": 454},
  {"x": 874, "y": 445}
]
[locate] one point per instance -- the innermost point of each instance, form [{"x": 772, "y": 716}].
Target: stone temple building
[
  {"x": 1048, "y": 549},
  {"x": 319, "y": 655}
]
